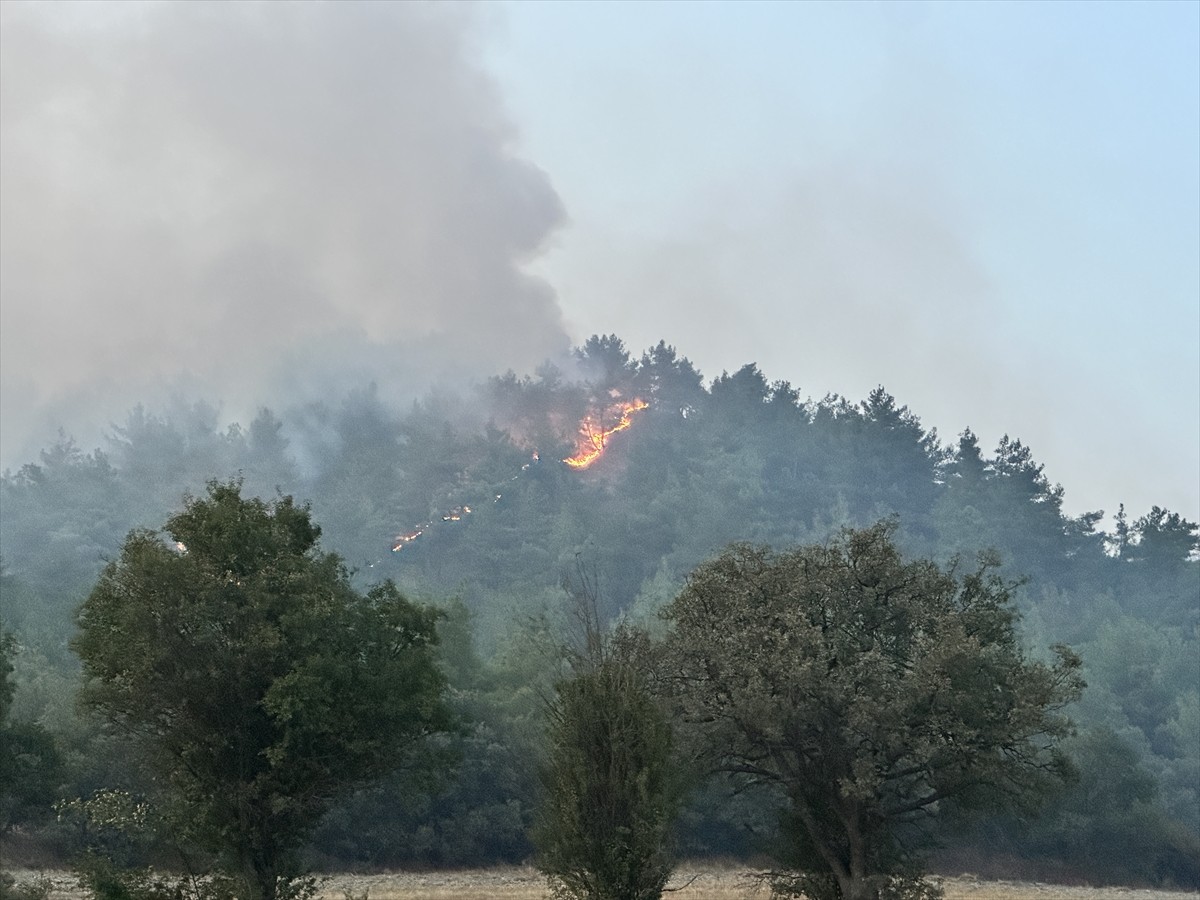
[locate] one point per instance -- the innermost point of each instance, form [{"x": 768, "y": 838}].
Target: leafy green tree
[
  {"x": 870, "y": 691},
  {"x": 612, "y": 785},
  {"x": 262, "y": 685}
]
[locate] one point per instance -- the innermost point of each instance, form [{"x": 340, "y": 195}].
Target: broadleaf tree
[
  {"x": 261, "y": 684},
  {"x": 869, "y": 692}
]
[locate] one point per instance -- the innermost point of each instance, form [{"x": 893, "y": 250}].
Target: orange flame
[
  {"x": 589, "y": 446},
  {"x": 593, "y": 436},
  {"x": 403, "y": 540}
]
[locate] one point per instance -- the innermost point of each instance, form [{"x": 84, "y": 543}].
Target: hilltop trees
[
  {"x": 869, "y": 691},
  {"x": 261, "y": 685},
  {"x": 739, "y": 458}
]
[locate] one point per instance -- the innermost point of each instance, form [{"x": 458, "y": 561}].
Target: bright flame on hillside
[
  {"x": 403, "y": 540},
  {"x": 593, "y": 435},
  {"x": 589, "y": 446}
]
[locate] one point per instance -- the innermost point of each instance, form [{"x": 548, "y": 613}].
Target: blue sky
[{"x": 993, "y": 209}]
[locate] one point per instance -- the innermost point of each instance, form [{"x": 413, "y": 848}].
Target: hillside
[{"x": 472, "y": 500}]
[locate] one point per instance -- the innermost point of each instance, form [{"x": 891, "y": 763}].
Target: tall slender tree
[{"x": 612, "y": 785}]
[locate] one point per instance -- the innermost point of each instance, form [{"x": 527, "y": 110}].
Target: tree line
[
  {"x": 239, "y": 665},
  {"x": 741, "y": 460}
]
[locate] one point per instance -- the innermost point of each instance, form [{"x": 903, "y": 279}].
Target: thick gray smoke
[{"x": 241, "y": 200}]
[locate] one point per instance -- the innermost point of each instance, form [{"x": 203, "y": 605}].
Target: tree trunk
[
  {"x": 267, "y": 880},
  {"x": 859, "y": 888},
  {"x": 261, "y": 865},
  {"x": 857, "y": 885}
]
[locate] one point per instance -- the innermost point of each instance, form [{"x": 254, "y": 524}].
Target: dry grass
[
  {"x": 691, "y": 883},
  {"x": 966, "y": 888},
  {"x": 524, "y": 884}
]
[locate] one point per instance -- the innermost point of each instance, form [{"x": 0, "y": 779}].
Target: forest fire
[
  {"x": 593, "y": 435},
  {"x": 403, "y": 540},
  {"x": 590, "y": 445},
  {"x": 456, "y": 514}
]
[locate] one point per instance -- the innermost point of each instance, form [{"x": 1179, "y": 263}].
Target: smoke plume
[{"x": 245, "y": 199}]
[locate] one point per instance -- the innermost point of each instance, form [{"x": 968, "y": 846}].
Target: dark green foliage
[
  {"x": 263, "y": 685},
  {"x": 612, "y": 783},
  {"x": 31, "y": 766},
  {"x": 476, "y": 813},
  {"x": 31, "y": 774},
  {"x": 477, "y": 807},
  {"x": 748, "y": 459},
  {"x": 871, "y": 691},
  {"x": 1107, "y": 824}
]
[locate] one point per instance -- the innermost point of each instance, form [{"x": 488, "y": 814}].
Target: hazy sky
[
  {"x": 261, "y": 201},
  {"x": 991, "y": 209}
]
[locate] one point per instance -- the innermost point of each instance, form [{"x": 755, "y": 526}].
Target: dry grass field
[{"x": 691, "y": 883}]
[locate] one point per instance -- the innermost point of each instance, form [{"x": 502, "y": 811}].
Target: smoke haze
[
  {"x": 990, "y": 210},
  {"x": 247, "y": 199}
]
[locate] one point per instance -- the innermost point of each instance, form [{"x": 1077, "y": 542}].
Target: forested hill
[{"x": 468, "y": 496}]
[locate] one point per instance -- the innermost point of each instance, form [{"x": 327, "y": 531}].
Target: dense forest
[{"x": 492, "y": 503}]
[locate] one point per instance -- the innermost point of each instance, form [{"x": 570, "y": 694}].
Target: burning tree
[{"x": 598, "y": 426}]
